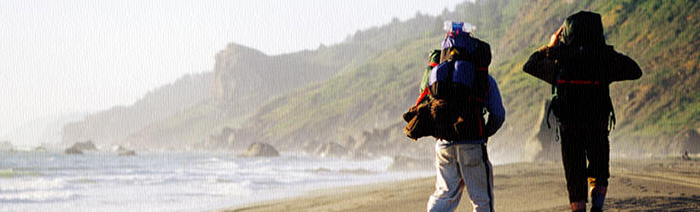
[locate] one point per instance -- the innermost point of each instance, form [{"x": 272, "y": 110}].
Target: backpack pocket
[
  {"x": 470, "y": 124},
  {"x": 420, "y": 123}
]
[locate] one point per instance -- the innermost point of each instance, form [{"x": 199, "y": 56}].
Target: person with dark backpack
[
  {"x": 580, "y": 67},
  {"x": 461, "y": 93}
]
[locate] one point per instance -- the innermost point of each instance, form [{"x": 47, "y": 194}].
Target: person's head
[{"x": 583, "y": 29}]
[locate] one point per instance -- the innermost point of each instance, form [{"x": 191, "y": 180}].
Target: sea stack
[{"x": 260, "y": 150}]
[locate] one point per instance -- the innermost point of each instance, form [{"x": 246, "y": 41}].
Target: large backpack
[
  {"x": 581, "y": 92},
  {"x": 459, "y": 85}
]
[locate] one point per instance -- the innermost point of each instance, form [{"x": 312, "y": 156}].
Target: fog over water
[{"x": 61, "y": 57}]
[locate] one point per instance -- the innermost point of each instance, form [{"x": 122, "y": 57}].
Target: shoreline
[
  {"x": 635, "y": 184},
  {"x": 337, "y": 190}
]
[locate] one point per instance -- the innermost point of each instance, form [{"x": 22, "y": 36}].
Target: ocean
[{"x": 34, "y": 181}]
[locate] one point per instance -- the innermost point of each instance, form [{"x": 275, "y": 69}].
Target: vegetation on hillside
[
  {"x": 246, "y": 79},
  {"x": 111, "y": 126},
  {"x": 362, "y": 86},
  {"x": 662, "y": 36}
]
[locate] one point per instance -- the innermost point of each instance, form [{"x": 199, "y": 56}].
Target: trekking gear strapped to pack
[
  {"x": 458, "y": 87},
  {"x": 433, "y": 60},
  {"x": 458, "y": 107},
  {"x": 420, "y": 123}
]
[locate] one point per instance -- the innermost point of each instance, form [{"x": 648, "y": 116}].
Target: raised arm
[
  {"x": 539, "y": 64},
  {"x": 623, "y": 68},
  {"x": 541, "y": 67}
]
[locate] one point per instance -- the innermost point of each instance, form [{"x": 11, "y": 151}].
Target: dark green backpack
[{"x": 581, "y": 94}]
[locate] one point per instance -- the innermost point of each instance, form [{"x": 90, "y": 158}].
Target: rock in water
[
  {"x": 331, "y": 150},
  {"x": 126, "y": 153},
  {"x": 72, "y": 151},
  {"x": 80, "y": 147},
  {"x": 260, "y": 150},
  {"x": 85, "y": 146},
  {"x": 121, "y": 151}
]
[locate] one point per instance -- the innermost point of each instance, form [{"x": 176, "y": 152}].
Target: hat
[{"x": 583, "y": 29}]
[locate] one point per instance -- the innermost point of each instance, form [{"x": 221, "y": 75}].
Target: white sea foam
[
  {"x": 171, "y": 182},
  {"x": 37, "y": 196},
  {"x": 31, "y": 184}
]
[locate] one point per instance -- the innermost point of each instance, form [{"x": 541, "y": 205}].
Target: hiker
[
  {"x": 685, "y": 156},
  {"x": 433, "y": 60},
  {"x": 461, "y": 157},
  {"x": 580, "y": 67}
]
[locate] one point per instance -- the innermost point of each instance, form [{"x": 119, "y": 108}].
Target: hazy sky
[{"x": 65, "y": 56}]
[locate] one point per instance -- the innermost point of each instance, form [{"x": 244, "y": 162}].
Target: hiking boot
[{"x": 578, "y": 206}]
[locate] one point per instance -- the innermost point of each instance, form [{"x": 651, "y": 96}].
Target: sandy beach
[{"x": 635, "y": 185}]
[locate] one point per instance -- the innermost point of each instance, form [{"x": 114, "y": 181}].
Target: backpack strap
[
  {"x": 487, "y": 90},
  {"x": 611, "y": 124},
  {"x": 549, "y": 111},
  {"x": 450, "y": 71},
  {"x": 554, "y": 98},
  {"x": 425, "y": 94}
]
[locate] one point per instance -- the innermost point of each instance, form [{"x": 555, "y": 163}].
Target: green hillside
[
  {"x": 662, "y": 36},
  {"x": 108, "y": 127},
  {"x": 246, "y": 79}
]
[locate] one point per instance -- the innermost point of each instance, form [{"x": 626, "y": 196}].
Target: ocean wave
[
  {"x": 31, "y": 184},
  {"x": 136, "y": 179},
  {"x": 37, "y": 196},
  {"x": 83, "y": 181},
  {"x": 178, "y": 181},
  {"x": 242, "y": 188}
]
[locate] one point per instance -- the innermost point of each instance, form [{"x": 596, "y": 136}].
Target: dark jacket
[
  {"x": 615, "y": 67},
  {"x": 582, "y": 67}
]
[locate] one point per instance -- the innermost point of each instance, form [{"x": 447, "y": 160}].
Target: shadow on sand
[
  {"x": 647, "y": 204},
  {"x": 691, "y": 203}
]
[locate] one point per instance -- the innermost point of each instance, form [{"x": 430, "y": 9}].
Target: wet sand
[{"x": 635, "y": 185}]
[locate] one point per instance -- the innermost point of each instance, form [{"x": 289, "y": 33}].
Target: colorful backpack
[{"x": 459, "y": 85}]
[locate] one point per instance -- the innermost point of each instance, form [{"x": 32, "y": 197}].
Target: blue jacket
[{"x": 496, "y": 116}]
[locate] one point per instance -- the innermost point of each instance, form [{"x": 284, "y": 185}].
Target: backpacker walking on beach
[
  {"x": 461, "y": 91},
  {"x": 580, "y": 67}
]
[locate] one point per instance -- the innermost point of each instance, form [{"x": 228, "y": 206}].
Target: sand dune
[{"x": 635, "y": 185}]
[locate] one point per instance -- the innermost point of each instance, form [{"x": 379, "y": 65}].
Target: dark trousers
[{"x": 578, "y": 145}]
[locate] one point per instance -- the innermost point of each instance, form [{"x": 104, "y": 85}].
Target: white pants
[{"x": 462, "y": 166}]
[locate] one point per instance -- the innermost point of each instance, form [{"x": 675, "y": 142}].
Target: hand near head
[{"x": 554, "y": 40}]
